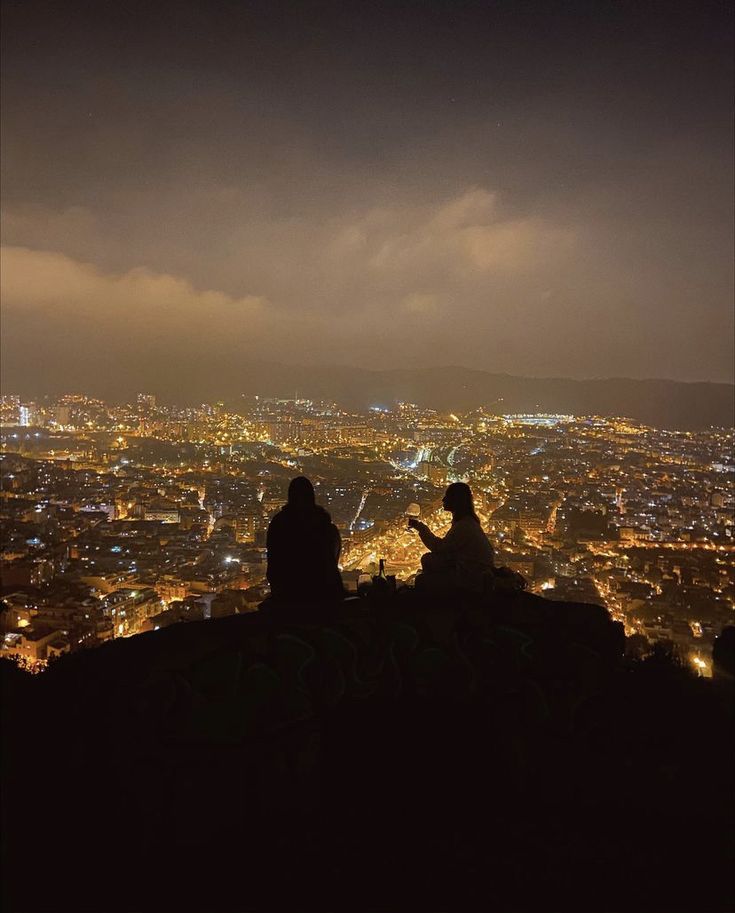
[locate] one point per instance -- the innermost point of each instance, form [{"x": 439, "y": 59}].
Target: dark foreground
[{"x": 390, "y": 756}]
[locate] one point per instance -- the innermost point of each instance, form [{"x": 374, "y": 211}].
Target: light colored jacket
[{"x": 465, "y": 550}]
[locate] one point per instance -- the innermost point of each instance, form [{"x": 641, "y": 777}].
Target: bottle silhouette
[{"x": 381, "y": 583}]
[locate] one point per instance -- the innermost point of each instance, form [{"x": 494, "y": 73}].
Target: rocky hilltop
[{"x": 391, "y": 755}]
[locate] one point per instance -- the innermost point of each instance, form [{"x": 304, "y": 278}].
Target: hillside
[
  {"x": 661, "y": 403},
  {"x": 394, "y": 755}
]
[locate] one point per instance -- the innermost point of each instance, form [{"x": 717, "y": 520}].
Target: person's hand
[{"x": 413, "y": 523}]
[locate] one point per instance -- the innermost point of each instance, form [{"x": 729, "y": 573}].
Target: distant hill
[{"x": 661, "y": 403}]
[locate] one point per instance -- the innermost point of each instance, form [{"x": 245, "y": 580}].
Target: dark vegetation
[{"x": 391, "y": 754}]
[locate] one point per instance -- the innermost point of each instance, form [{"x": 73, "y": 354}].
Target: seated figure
[
  {"x": 461, "y": 559},
  {"x": 303, "y": 549}
]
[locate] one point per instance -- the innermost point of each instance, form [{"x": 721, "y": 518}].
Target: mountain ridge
[
  {"x": 662, "y": 403},
  {"x": 684, "y": 405}
]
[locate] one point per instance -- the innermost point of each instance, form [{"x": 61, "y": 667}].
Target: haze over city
[{"x": 494, "y": 186}]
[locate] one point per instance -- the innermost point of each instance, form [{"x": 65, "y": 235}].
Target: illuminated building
[
  {"x": 548, "y": 421},
  {"x": 128, "y": 609},
  {"x": 164, "y": 511},
  {"x": 533, "y": 522},
  {"x": 33, "y": 643},
  {"x": 281, "y": 431},
  {"x": 28, "y": 415},
  {"x": 247, "y": 524},
  {"x": 170, "y": 588},
  {"x": 433, "y": 471}
]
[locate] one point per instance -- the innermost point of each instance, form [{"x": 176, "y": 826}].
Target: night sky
[{"x": 538, "y": 189}]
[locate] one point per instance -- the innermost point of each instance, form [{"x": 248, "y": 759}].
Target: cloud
[
  {"x": 228, "y": 273},
  {"x": 467, "y": 236},
  {"x": 368, "y": 260},
  {"x": 53, "y": 286}
]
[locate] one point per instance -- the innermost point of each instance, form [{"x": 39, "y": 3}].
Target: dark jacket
[{"x": 303, "y": 550}]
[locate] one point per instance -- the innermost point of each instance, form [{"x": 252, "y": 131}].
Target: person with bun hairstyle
[{"x": 462, "y": 558}]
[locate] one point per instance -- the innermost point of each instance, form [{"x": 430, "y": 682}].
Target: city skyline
[
  {"x": 590, "y": 508},
  {"x": 122, "y": 518},
  {"x": 660, "y": 403},
  {"x": 532, "y": 191}
]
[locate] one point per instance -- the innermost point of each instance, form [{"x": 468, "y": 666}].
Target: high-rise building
[
  {"x": 247, "y": 523},
  {"x": 9, "y": 408},
  {"x": 28, "y": 414},
  {"x": 282, "y": 432},
  {"x": 433, "y": 471}
]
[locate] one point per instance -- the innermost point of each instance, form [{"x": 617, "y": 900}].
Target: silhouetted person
[
  {"x": 303, "y": 549},
  {"x": 464, "y": 556}
]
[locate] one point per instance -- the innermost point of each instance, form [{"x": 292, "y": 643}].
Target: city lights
[{"x": 586, "y": 509}]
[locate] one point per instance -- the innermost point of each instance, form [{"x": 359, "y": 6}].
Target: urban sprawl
[{"x": 120, "y": 519}]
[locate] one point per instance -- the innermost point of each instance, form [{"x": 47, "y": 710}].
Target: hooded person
[{"x": 303, "y": 549}]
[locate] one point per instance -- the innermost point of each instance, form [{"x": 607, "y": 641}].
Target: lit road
[{"x": 360, "y": 508}]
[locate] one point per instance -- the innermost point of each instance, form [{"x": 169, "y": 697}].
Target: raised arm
[{"x": 432, "y": 542}]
